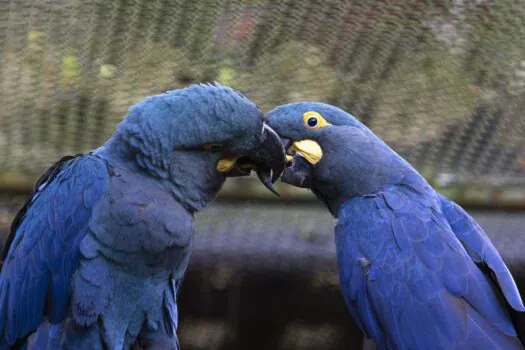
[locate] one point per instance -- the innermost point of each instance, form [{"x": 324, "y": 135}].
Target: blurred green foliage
[
  {"x": 293, "y": 71},
  {"x": 409, "y": 69},
  {"x": 431, "y": 92}
]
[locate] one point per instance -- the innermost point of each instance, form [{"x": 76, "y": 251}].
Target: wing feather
[
  {"x": 419, "y": 287},
  {"x": 42, "y": 250}
]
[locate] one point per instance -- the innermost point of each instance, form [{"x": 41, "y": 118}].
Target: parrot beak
[
  {"x": 298, "y": 172},
  {"x": 301, "y": 156},
  {"x": 268, "y": 160}
]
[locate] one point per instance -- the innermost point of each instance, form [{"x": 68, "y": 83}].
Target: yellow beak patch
[
  {"x": 308, "y": 149},
  {"x": 226, "y": 164}
]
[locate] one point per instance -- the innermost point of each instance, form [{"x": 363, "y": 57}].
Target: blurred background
[{"x": 443, "y": 82}]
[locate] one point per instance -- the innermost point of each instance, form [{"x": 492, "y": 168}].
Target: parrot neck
[
  {"x": 360, "y": 164},
  {"x": 184, "y": 174}
]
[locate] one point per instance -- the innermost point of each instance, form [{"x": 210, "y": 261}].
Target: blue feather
[
  {"x": 47, "y": 239},
  {"x": 425, "y": 275},
  {"x": 419, "y": 288},
  {"x": 477, "y": 242}
]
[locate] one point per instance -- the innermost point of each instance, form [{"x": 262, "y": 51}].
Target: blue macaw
[
  {"x": 416, "y": 271},
  {"x": 96, "y": 256}
]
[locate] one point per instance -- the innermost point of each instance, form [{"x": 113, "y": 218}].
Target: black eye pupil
[{"x": 312, "y": 122}]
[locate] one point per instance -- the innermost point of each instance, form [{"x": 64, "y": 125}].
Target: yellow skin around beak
[
  {"x": 226, "y": 164},
  {"x": 308, "y": 149}
]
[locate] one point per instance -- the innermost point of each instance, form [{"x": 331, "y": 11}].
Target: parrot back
[
  {"x": 411, "y": 281},
  {"x": 42, "y": 252},
  {"x": 46, "y": 178}
]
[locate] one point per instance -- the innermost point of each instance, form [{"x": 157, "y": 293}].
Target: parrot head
[
  {"x": 333, "y": 153},
  {"x": 194, "y": 138}
]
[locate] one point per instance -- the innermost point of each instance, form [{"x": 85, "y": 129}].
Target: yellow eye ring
[{"x": 314, "y": 121}]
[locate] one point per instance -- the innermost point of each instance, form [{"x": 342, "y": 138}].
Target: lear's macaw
[
  {"x": 416, "y": 271},
  {"x": 96, "y": 256}
]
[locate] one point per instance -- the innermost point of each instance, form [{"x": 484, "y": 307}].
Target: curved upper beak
[{"x": 268, "y": 160}]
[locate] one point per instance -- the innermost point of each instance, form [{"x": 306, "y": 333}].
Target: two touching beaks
[{"x": 268, "y": 160}]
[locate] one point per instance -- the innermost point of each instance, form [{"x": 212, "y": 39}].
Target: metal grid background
[{"x": 442, "y": 81}]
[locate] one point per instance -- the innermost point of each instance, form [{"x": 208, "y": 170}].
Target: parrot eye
[
  {"x": 314, "y": 121},
  {"x": 212, "y": 147}
]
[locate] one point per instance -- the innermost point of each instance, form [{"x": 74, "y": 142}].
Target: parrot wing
[
  {"x": 485, "y": 255},
  {"x": 43, "y": 246},
  {"x": 481, "y": 249},
  {"x": 408, "y": 280}
]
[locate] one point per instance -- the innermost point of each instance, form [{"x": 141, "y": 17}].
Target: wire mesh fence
[{"x": 442, "y": 81}]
